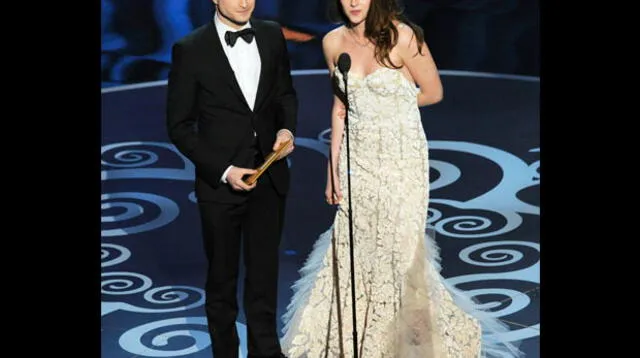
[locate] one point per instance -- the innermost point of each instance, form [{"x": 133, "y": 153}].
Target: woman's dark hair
[{"x": 379, "y": 26}]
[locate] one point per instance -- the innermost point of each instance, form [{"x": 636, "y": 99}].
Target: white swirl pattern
[
  {"x": 172, "y": 295},
  {"x": 136, "y": 159},
  {"x": 468, "y": 226},
  {"x": 124, "y": 255},
  {"x": 516, "y": 176},
  {"x": 453, "y": 173},
  {"x": 535, "y": 166},
  {"x": 131, "y": 211},
  {"x": 516, "y": 256},
  {"x": 518, "y": 304},
  {"x": 433, "y": 215},
  {"x": 135, "y": 163},
  {"x": 516, "y": 300},
  {"x": 128, "y": 283},
  {"x": 169, "y": 211},
  {"x": 131, "y": 162},
  {"x": 132, "y": 340},
  {"x": 124, "y": 283}
]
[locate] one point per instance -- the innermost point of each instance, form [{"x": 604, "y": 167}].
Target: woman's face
[{"x": 356, "y": 10}]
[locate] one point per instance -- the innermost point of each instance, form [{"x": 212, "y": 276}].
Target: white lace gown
[{"x": 404, "y": 308}]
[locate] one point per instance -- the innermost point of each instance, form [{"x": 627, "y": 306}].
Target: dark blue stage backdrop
[{"x": 497, "y": 36}]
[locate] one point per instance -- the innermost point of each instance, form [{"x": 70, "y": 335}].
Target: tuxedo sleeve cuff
[{"x": 223, "y": 179}]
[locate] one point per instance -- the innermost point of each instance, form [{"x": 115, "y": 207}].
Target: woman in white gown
[{"x": 404, "y": 308}]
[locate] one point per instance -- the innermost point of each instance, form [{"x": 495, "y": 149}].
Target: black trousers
[{"x": 256, "y": 223}]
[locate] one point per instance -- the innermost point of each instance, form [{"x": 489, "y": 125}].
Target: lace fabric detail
[{"x": 403, "y": 307}]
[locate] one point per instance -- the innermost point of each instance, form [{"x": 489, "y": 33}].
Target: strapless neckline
[{"x": 373, "y": 73}]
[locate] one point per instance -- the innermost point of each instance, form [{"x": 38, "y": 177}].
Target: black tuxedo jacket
[{"x": 208, "y": 118}]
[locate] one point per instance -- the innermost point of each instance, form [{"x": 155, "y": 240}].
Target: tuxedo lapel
[
  {"x": 264, "y": 49},
  {"x": 223, "y": 65}
]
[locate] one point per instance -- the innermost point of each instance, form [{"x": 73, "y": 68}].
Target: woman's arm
[
  {"x": 421, "y": 66},
  {"x": 333, "y": 195}
]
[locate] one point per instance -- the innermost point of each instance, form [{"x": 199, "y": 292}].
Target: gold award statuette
[{"x": 267, "y": 163}]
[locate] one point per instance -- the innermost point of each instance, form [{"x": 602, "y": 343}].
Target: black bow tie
[{"x": 246, "y": 34}]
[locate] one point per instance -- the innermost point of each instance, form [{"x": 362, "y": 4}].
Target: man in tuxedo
[{"x": 230, "y": 102}]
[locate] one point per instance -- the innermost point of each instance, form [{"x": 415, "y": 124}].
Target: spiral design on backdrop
[
  {"x": 131, "y": 159},
  {"x": 134, "y": 212},
  {"x": 504, "y": 301},
  {"x": 173, "y": 295},
  {"x": 447, "y": 174},
  {"x": 160, "y": 299},
  {"x": 490, "y": 223},
  {"x": 141, "y": 160},
  {"x": 433, "y": 215},
  {"x": 124, "y": 283},
  {"x": 127, "y": 213},
  {"x": 325, "y": 136},
  {"x": 479, "y": 217},
  {"x": 516, "y": 175},
  {"x": 496, "y": 257},
  {"x": 136, "y": 38},
  {"x": 535, "y": 166},
  {"x": 112, "y": 254},
  {"x": 510, "y": 301},
  {"x": 135, "y": 154},
  {"x": 131, "y": 154},
  {"x": 155, "y": 339}
]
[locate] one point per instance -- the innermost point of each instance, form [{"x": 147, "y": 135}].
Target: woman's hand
[{"x": 330, "y": 197}]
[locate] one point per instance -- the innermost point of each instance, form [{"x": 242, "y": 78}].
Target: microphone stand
[{"x": 353, "y": 281}]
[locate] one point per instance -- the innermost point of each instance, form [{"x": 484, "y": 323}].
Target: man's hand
[
  {"x": 282, "y": 137},
  {"x": 234, "y": 178}
]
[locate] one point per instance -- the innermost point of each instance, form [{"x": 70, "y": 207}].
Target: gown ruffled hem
[{"x": 413, "y": 337}]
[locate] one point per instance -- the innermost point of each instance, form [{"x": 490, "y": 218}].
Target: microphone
[{"x": 344, "y": 63}]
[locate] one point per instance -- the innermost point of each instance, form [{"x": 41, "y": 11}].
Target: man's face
[{"x": 237, "y": 12}]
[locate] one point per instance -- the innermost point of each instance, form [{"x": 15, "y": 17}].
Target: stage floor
[{"x": 484, "y": 140}]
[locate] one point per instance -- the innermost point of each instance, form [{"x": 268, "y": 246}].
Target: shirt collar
[{"x": 223, "y": 28}]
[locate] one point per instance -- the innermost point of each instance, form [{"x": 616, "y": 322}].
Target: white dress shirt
[{"x": 244, "y": 59}]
